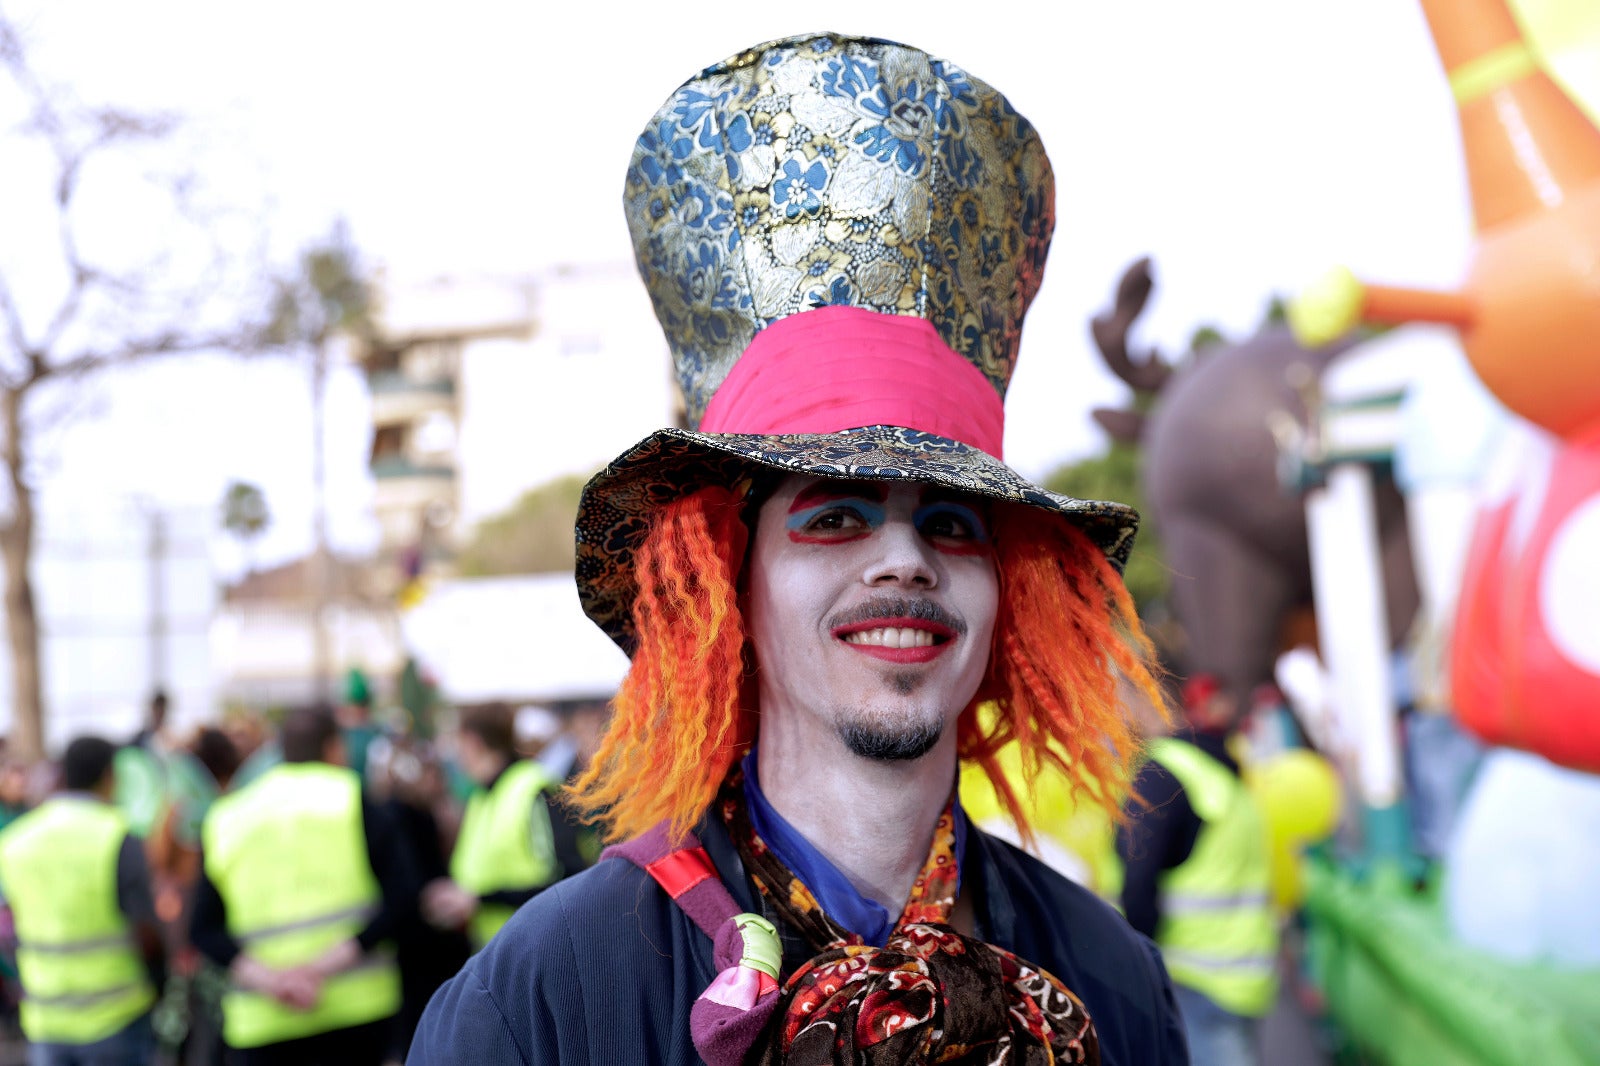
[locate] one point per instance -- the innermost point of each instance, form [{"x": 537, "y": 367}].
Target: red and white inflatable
[{"x": 1525, "y": 657}]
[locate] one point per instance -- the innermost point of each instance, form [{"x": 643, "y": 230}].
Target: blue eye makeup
[
  {"x": 857, "y": 518},
  {"x": 949, "y": 520}
]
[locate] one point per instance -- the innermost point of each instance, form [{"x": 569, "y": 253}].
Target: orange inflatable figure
[
  {"x": 1525, "y": 652},
  {"x": 1529, "y": 307}
]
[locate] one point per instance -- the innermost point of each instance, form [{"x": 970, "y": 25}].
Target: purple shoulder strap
[{"x": 685, "y": 872}]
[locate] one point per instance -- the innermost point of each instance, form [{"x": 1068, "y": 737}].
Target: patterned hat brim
[{"x": 614, "y": 513}]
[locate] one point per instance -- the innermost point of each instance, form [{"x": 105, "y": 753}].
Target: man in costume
[{"x": 818, "y": 587}]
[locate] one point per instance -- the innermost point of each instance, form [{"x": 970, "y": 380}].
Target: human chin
[{"x": 889, "y": 739}]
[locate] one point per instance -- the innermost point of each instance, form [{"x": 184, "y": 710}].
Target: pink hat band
[{"x": 839, "y": 368}]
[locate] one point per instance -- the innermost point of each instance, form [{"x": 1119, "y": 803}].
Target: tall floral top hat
[{"x": 841, "y": 237}]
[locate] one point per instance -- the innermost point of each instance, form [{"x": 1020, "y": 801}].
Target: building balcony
[
  {"x": 397, "y": 399},
  {"x": 407, "y": 494},
  {"x": 399, "y": 467},
  {"x": 393, "y": 381}
]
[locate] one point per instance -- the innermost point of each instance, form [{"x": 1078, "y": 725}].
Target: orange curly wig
[{"x": 1065, "y": 632}]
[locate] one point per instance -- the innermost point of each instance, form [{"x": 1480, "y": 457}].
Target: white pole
[{"x": 1347, "y": 580}]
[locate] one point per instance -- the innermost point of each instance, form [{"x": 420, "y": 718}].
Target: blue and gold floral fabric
[{"x": 826, "y": 170}]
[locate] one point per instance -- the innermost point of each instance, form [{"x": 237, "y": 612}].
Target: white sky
[{"x": 1245, "y": 144}]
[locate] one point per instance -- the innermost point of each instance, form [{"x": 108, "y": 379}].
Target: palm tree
[
  {"x": 327, "y": 294},
  {"x": 245, "y": 515}
]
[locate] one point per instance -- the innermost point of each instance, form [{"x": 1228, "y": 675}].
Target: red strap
[{"x": 679, "y": 871}]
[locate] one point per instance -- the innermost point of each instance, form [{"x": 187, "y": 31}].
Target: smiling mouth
[
  {"x": 901, "y": 640},
  {"x": 891, "y": 637}
]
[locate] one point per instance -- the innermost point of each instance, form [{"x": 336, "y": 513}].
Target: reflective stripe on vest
[
  {"x": 505, "y": 843},
  {"x": 78, "y": 947},
  {"x": 288, "y": 854},
  {"x": 82, "y": 977},
  {"x": 1218, "y": 932},
  {"x": 1179, "y": 903},
  {"x": 1256, "y": 966},
  {"x": 360, "y": 916}
]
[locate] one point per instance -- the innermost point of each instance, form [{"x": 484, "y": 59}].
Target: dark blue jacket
[{"x": 602, "y": 968}]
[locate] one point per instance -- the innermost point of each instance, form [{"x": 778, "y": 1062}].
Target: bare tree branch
[
  {"x": 52, "y": 410},
  {"x": 82, "y": 277},
  {"x": 44, "y": 118},
  {"x": 169, "y": 303},
  {"x": 10, "y": 44},
  {"x": 16, "y": 332},
  {"x": 154, "y": 346}
]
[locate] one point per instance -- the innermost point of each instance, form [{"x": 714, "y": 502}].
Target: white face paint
[{"x": 871, "y": 610}]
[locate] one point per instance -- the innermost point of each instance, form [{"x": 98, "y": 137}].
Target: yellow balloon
[
  {"x": 1077, "y": 838},
  {"x": 1300, "y": 796},
  {"x": 1288, "y": 887}
]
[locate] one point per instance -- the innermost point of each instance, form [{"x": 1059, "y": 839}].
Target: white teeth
[{"x": 891, "y": 637}]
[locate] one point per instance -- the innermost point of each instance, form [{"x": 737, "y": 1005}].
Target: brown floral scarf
[{"x": 930, "y": 995}]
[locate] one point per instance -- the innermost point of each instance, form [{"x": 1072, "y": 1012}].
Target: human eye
[
  {"x": 843, "y": 519},
  {"x": 835, "y": 521},
  {"x": 952, "y": 523}
]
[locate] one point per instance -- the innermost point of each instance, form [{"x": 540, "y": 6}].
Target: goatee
[{"x": 882, "y": 742}]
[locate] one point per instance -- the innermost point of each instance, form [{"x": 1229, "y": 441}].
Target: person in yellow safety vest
[
  {"x": 88, "y": 944},
  {"x": 506, "y": 850},
  {"x": 303, "y": 882},
  {"x": 1197, "y": 879},
  {"x": 567, "y": 757}
]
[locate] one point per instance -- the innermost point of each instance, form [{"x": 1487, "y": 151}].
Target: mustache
[{"x": 899, "y": 607}]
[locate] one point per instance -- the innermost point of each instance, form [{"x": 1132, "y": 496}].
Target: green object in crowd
[
  {"x": 357, "y": 689},
  {"x": 140, "y": 789},
  {"x": 357, "y": 744},
  {"x": 9, "y": 813},
  {"x": 456, "y": 780},
  {"x": 419, "y": 698},
  {"x": 191, "y": 790},
  {"x": 260, "y": 761},
  {"x": 1405, "y": 990}
]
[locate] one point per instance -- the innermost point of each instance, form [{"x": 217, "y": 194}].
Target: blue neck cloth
[{"x": 866, "y": 918}]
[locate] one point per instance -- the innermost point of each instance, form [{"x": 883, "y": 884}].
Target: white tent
[{"x": 519, "y": 639}]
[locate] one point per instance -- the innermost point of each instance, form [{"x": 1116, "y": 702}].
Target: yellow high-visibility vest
[
  {"x": 288, "y": 855},
  {"x": 82, "y": 977},
  {"x": 505, "y": 843},
  {"x": 1218, "y": 932}
]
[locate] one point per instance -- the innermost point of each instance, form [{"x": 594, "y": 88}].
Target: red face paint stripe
[
  {"x": 977, "y": 548},
  {"x": 807, "y": 538},
  {"x": 827, "y": 491}
]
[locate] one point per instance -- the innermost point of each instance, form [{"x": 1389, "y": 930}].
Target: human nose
[{"x": 902, "y": 557}]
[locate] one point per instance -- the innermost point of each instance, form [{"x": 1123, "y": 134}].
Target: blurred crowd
[{"x": 461, "y": 819}]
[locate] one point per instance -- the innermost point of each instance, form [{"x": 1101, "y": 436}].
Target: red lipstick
[{"x": 920, "y": 653}]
